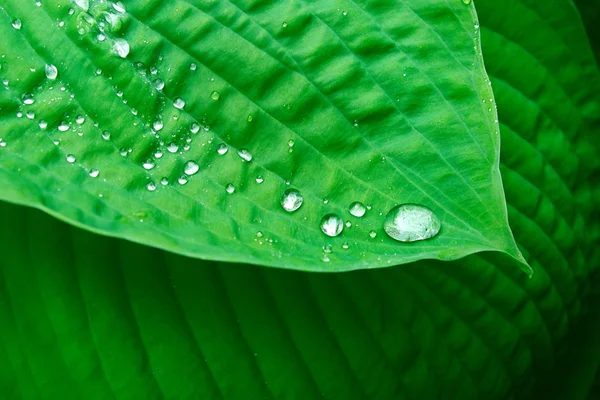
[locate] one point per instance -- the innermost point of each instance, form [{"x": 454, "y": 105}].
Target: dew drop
[
  {"x": 172, "y": 147},
  {"x": 157, "y": 125},
  {"x": 230, "y": 188},
  {"x": 121, "y": 48},
  {"x": 291, "y": 200},
  {"x": 28, "y": 99},
  {"x": 71, "y": 158},
  {"x": 332, "y": 225},
  {"x": 84, "y": 4},
  {"x": 245, "y": 155},
  {"x": 80, "y": 119},
  {"x": 193, "y": 67},
  {"x": 466, "y": 1},
  {"x": 17, "y": 24},
  {"x": 215, "y": 95},
  {"x": 148, "y": 165},
  {"x": 94, "y": 173},
  {"x": 159, "y": 84},
  {"x": 182, "y": 180},
  {"x": 260, "y": 179},
  {"x": 63, "y": 126},
  {"x": 164, "y": 181},
  {"x": 345, "y": 246},
  {"x": 43, "y": 124},
  {"x": 194, "y": 128},
  {"x": 190, "y": 168},
  {"x": 411, "y": 222},
  {"x": 284, "y": 24},
  {"x": 106, "y": 135},
  {"x": 327, "y": 249},
  {"x": 357, "y": 209},
  {"x": 222, "y": 149},
  {"x": 151, "y": 186},
  {"x": 30, "y": 115},
  {"x": 373, "y": 234},
  {"x": 51, "y": 71},
  {"x": 179, "y": 103}
]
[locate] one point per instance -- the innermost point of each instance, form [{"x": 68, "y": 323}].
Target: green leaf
[
  {"x": 86, "y": 316},
  {"x": 384, "y": 104}
]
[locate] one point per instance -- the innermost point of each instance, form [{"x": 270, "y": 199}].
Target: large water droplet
[
  {"x": 332, "y": 225},
  {"x": 411, "y": 222},
  {"x": 291, "y": 200},
  {"x": 190, "y": 168},
  {"x": 245, "y": 155},
  {"x": 357, "y": 209},
  {"x": 121, "y": 48},
  {"x": 51, "y": 71}
]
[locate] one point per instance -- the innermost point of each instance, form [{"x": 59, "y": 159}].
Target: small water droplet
[
  {"x": 30, "y": 115},
  {"x": 43, "y": 124},
  {"x": 345, "y": 245},
  {"x": 466, "y": 1},
  {"x": 51, "y": 71},
  {"x": 411, "y": 222},
  {"x": 348, "y": 224},
  {"x": 190, "y": 168},
  {"x": 215, "y": 95},
  {"x": 230, "y": 188},
  {"x": 291, "y": 200},
  {"x": 172, "y": 147},
  {"x": 63, "y": 126},
  {"x": 17, "y": 24},
  {"x": 259, "y": 179},
  {"x": 179, "y": 103},
  {"x": 121, "y": 48},
  {"x": 159, "y": 84},
  {"x": 106, "y": 135},
  {"x": 148, "y": 165},
  {"x": 94, "y": 173},
  {"x": 28, "y": 99},
  {"x": 157, "y": 125},
  {"x": 84, "y": 4},
  {"x": 194, "y": 128},
  {"x": 355, "y": 122},
  {"x": 182, "y": 180},
  {"x": 250, "y": 118},
  {"x": 245, "y": 155},
  {"x": 222, "y": 149},
  {"x": 193, "y": 67},
  {"x": 327, "y": 249},
  {"x": 70, "y": 158},
  {"x": 80, "y": 119},
  {"x": 164, "y": 181},
  {"x": 373, "y": 234},
  {"x": 291, "y": 143},
  {"x": 357, "y": 209},
  {"x": 284, "y": 24},
  {"x": 332, "y": 225},
  {"x": 344, "y": 13},
  {"x": 151, "y": 186}
]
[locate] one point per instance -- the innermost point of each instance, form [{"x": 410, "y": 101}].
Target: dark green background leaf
[{"x": 94, "y": 317}]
